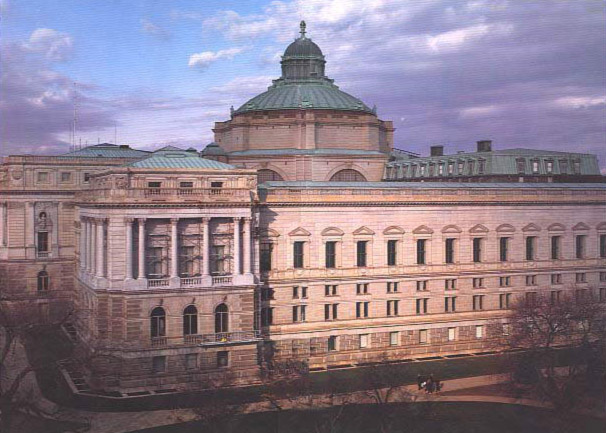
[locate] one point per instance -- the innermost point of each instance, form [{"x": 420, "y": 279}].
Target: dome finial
[{"x": 302, "y": 26}]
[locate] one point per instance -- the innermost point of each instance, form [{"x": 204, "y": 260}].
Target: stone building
[{"x": 291, "y": 237}]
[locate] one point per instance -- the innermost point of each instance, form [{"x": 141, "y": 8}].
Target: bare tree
[{"x": 543, "y": 324}]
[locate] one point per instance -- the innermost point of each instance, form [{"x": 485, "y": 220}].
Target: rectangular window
[
  {"x": 504, "y": 281},
  {"x": 298, "y": 255},
  {"x": 602, "y": 296},
  {"x": 364, "y": 341},
  {"x": 503, "y": 249},
  {"x": 449, "y": 246},
  {"x": 42, "y": 176},
  {"x": 450, "y": 167},
  {"x": 555, "y": 296},
  {"x": 421, "y": 251},
  {"x": 477, "y": 250},
  {"x": 361, "y": 254},
  {"x": 531, "y": 298},
  {"x": 555, "y": 247},
  {"x": 421, "y": 286},
  {"x": 332, "y": 343},
  {"x": 43, "y": 242},
  {"x": 521, "y": 165},
  {"x": 392, "y": 307},
  {"x": 603, "y": 246},
  {"x": 576, "y": 166},
  {"x": 265, "y": 250},
  {"x": 441, "y": 169},
  {"x": 549, "y": 167},
  {"x": 504, "y": 300},
  {"x": 423, "y": 336},
  {"x": 478, "y": 283},
  {"x": 330, "y": 290},
  {"x": 479, "y": 331},
  {"x": 450, "y": 284},
  {"x": 530, "y": 247},
  {"x": 330, "y": 311},
  {"x": 298, "y": 313},
  {"x": 452, "y": 334},
  {"x": 159, "y": 364},
  {"x": 186, "y": 188},
  {"x": 563, "y": 166},
  {"x": 531, "y": 280},
  {"x": 579, "y": 244},
  {"x": 362, "y": 289},
  {"x": 470, "y": 166},
  {"x": 481, "y": 166},
  {"x": 154, "y": 187},
  {"x": 155, "y": 268},
  {"x": 422, "y": 305},
  {"x": 450, "y": 304},
  {"x": 66, "y": 176},
  {"x": 86, "y": 177},
  {"x": 394, "y": 338},
  {"x": 535, "y": 167},
  {"x": 187, "y": 258},
  {"x": 602, "y": 276},
  {"x": 218, "y": 259},
  {"x": 295, "y": 292},
  {"x": 362, "y": 309},
  {"x": 392, "y": 287},
  {"x": 223, "y": 359},
  {"x": 556, "y": 278},
  {"x": 478, "y": 302},
  {"x": 460, "y": 168},
  {"x": 331, "y": 254},
  {"x": 581, "y": 277},
  {"x": 392, "y": 253},
  {"x": 191, "y": 361}
]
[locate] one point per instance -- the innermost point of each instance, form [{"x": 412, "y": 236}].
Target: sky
[{"x": 150, "y": 73}]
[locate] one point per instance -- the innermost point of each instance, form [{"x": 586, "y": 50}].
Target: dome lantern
[{"x": 303, "y": 59}]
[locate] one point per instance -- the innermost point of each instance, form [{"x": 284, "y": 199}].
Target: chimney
[
  {"x": 437, "y": 150},
  {"x": 485, "y": 146}
]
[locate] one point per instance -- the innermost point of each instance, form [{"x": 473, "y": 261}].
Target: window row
[
  {"x": 190, "y": 321},
  {"x": 478, "y": 251},
  {"x": 190, "y": 361}
]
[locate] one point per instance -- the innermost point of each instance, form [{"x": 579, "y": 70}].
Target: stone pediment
[
  {"x": 364, "y": 231},
  {"x": 451, "y": 228},
  {"x": 531, "y": 228},
  {"x": 580, "y": 226},
  {"x": 332, "y": 231},
  {"x": 478, "y": 228},
  {"x": 422, "y": 230},
  {"x": 299, "y": 231},
  {"x": 269, "y": 233},
  {"x": 506, "y": 228},
  {"x": 556, "y": 227},
  {"x": 393, "y": 230},
  {"x": 601, "y": 227}
]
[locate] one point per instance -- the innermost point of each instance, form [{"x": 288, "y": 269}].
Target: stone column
[
  {"x": 100, "y": 250},
  {"x": 246, "y": 250},
  {"x": 205, "y": 246},
  {"x": 2, "y": 225},
  {"x": 89, "y": 244},
  {"x": 141, "y": 275},
  {"x": 129, "y": 248},
  {"x": 93, "y": 247},
  {"x": 174, "y": 248},
  {"x": 236, "y": 270},
  {"x": 30, "y": 230},
  {"x": 83, "y": 229}
]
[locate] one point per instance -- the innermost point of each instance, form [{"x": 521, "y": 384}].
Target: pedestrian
[
  {"x": 438, "y": 385},
  {"x": 420, "y": 381}
]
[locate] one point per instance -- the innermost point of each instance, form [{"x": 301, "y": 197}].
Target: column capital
[
  {"x": 142, "y": 219},
  {"x": 205, "y": 220},
  {"x": 174, "y": 221},
  {"x": 247, "y": 219},
  {"x": 129, "y": 220},
  {"x": 238, "y": 219}
]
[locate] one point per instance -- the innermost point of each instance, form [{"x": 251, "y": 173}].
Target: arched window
[
  {"x": 43, "y": 281},
  {"x": 348, "y": 175},
  {"x": 221, "y": 319},
  {"x": 190, "y": 320},
  {"x": 158, "y": 322},
  {"x": 266, "y": 175}
]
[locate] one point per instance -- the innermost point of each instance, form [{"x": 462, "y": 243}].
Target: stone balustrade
[{"x": 170, "y": 195}]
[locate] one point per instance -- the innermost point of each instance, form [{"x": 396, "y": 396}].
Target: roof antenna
[{"x": 302, "y": 26}]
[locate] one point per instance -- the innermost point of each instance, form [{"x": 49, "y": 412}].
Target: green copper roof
[
  {"x": 173, "y": 157},
  {"x": 303, "y": 84},
  {"x": 107, "y": 150},
  {"x": 315, "y": 94}
]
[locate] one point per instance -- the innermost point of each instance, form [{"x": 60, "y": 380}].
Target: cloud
[
  {"x": 54, "y": 45},
  {"x": 153, "y": 29},
  {"x": 205, "y": 59}
]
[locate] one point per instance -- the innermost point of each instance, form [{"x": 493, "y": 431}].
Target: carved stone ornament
[
  {"x": 43, "y": 222},
  {"x": 121, "y": 182},
  {"x": 17, "y": 174}
]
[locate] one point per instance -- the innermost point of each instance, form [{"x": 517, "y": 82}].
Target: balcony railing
[
  {"x": 191, "y": 281},
  {"x": 168, "y": 194},
  {"x": 159, "y": 341},
  {"x": 158, "y": 282},
  {"x": 222, "y": 280},
  {"x": 222, "y": 338}
]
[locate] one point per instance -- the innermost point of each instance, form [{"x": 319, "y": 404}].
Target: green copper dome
[{"x": 303, "y": 84}]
